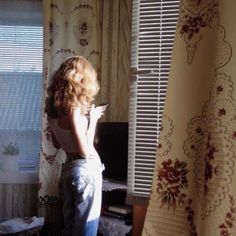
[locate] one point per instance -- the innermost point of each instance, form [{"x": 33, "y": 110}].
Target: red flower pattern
[
  {"x": 65, "y": 51},
  {"x": 210, "y": 170},
  {"x": 219, "y": 89},
  {"x": 83, "y": 42},
  {"x": 192, "y": 25},
  {"x": 172, "y": 179},
  {"x": 50, "y": 158},
  {"x": 47, "y": 132},
  {"x": 83, "y": 6},
  {"x": 84, "y": 28},
  {"x": 222, "y": 112},
  {"x": 190, "y": 217},
  {"x": 229, "y": 218}
]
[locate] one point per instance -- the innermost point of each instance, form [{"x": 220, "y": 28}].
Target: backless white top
[{"x": 63, "y": 136}]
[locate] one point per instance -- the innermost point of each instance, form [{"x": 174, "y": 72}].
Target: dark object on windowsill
[{"x": 117, "y": 215}]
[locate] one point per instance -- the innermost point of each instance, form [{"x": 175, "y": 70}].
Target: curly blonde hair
[{"x": 73, "y": 85}]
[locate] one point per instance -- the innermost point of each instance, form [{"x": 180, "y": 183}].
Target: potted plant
[{"x": 10, "y": 153}]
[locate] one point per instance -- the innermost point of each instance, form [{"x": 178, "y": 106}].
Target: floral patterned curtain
[
  {"x": 194, "y": 184},
  {"x": 70, "y": 28}
]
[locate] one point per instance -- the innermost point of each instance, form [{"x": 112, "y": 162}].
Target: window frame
[{"x": 21, "y": 20}]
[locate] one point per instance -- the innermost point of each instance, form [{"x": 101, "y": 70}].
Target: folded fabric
[{"x": 20, "y": 224}]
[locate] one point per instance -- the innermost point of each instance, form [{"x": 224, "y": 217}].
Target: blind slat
[
  {"x": 153, "y": 31},
  {"x": 21, "y": 48},
  {"x": 21, "y": 52}
]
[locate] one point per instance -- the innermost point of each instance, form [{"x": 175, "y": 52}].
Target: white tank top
[{"x": 63, "y": 136}]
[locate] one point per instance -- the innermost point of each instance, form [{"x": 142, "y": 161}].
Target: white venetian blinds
[
  {"x": 153, "y": 31},
  {"x": 21, "y": 57},
  {"x": 21, "y": 48}
]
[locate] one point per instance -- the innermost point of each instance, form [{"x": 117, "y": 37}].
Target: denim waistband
[
  {"x": 73, "y": 158},
  {"x": 83, "y": 161}
]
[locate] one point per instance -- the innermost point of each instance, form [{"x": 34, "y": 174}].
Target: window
[
  {"x": 153, "y": 31},
  {"x": 21, "y": 49}
]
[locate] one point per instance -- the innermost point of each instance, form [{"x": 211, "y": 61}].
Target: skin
[{"x": 84, "y": 135}]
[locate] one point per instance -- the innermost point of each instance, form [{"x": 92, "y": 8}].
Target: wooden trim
[{"x": 139, "y": 213}]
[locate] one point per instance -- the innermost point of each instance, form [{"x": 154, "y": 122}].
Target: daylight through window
[{"x": 21, "y": 51}]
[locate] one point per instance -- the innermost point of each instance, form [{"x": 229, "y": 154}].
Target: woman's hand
[{"x": 97, "y": 112}]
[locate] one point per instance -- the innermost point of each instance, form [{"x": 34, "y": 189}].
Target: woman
[{"x": 72, "y": 119}]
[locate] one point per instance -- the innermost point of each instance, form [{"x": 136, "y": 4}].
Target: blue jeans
[{"x": 81, "y": 189}]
